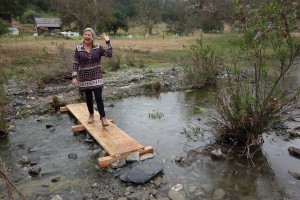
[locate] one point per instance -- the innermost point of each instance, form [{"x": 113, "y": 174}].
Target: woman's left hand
[{"x": 105, "y": 36}]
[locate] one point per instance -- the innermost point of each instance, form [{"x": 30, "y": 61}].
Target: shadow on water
[{"x": 49, "y": 146}]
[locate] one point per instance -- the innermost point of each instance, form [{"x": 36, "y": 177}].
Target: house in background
[
  {"x": 7, "y": 17},
  {"x": 43, "y": 25}
]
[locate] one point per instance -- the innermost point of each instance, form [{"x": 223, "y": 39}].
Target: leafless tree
[{"x": 149, "y": 13}]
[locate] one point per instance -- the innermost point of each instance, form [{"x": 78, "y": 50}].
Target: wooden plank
[
  {"x": 111, "y": 138},
  {"x": 107, "y": 160}
]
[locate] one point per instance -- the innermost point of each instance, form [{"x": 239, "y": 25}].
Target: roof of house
[
  {"x": 6, "y": 17},
  {"x": 47, "y": 22}
]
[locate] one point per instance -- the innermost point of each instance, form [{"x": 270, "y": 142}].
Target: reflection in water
[
  {"x": 49, "y": 147},
  {"x": 237, "y": 176}
]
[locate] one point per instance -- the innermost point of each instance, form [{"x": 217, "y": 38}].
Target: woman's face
[{"x": 88, "y": 37}]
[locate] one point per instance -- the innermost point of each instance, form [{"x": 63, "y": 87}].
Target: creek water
[{"x": 48, "y": 142}]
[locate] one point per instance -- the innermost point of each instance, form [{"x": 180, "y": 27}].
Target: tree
[
  {"x": 12, "y": 6},
  {"x": 195, "y": 14},
  {"x": 127, "y": 7},
  {"x": 218, "y": 8},
  {"x": 28, "y": 17},
  {"x": 248, "y": 108},
  {"x": 149, "y": 13},
  {"x": 3, "y": 27},
  {"x": 80, "y": 14},
  {"x": 175, "y": 16},
  {"x": 120, "y": 21}
]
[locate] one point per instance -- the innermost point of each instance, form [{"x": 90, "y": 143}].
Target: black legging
[{"x": 99, "y": 101}]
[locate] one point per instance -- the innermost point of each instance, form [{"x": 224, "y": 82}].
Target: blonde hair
[{"x": 93, "y": 34}]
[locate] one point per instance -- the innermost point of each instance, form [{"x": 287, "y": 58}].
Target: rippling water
[{"x": 49, "y": 148}]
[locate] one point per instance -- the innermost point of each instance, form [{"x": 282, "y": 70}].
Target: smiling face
[{"x": 88, "y": 37}]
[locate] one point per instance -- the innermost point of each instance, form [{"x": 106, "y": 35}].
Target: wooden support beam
[
  {"x": 147, "y": 149},
  {"x": 107, "y": 160},
  {"x": 63, "y": 109},
  {"x": 78, "y": 128}
]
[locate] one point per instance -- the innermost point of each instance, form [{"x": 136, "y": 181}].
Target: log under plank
[
  {"x": 107, "y": 160},
  {"x": 80, "y": 127}
]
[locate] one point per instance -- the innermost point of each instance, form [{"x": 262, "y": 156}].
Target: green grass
[{"x": 224, "y": 44}]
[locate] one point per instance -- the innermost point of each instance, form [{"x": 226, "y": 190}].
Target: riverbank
[{"x": 25, "y": 98}]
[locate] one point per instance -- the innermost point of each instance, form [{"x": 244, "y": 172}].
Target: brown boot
[
  {"x": 104, "y": 122},
  {"x": 91, "y": 119}
]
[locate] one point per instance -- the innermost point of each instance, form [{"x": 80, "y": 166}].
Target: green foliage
[
  {"x": 177, "y": 27},
  {"x": 28, "y": 17},
  {"x": 127, "y": 7},
  {"x": 194, "y": 133},
  {"x": 24, "y": 113},
  {"x": 249, "y": 107},
  {"x": 3, "y": 27},
  {"x": 152, "y": 86},
  {"x": 212, "y": 25},
  {"x": 12, "y": 6},
  {"x": 120, "y": 21},
  {"x": 3, "y": 101},
  {"x": 201, "y": 64},
  {"x": 156, "y": 115}
]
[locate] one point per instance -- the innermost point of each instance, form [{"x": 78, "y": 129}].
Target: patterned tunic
[{"x": 87, "y": 68}]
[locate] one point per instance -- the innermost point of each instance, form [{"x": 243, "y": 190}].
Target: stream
[{"x": 48, "y": 140}]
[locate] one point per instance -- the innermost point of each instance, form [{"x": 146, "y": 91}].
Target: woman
[{"x": 87, "y": 71}]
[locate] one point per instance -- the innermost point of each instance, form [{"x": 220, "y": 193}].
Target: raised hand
[{"x": 105, "y": 36}]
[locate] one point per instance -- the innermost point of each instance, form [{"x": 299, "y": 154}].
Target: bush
[
  {"x": 3, "y": 27},
  {"x": 248, "y": 107},
  {"x": 114, "y": 63},
  {"x": 3, "y": 101},
  {"x": 212, "y": 25},
  {"x": 201, "y": 65},
  {"x": 153, "y": 86},
  {"x": 28, "y": 17}
]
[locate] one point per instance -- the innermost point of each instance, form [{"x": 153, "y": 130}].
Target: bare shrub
[
  {"x": 153, "y": 86},
  {"x": 130, "y": 60},
  {"x": 114, "y": 63}
]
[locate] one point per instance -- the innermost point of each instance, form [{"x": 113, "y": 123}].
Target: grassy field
[{"x": 30, "y": 56}]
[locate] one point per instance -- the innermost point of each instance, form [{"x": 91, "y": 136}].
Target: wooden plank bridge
[{"x": 115, "y": 141}]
